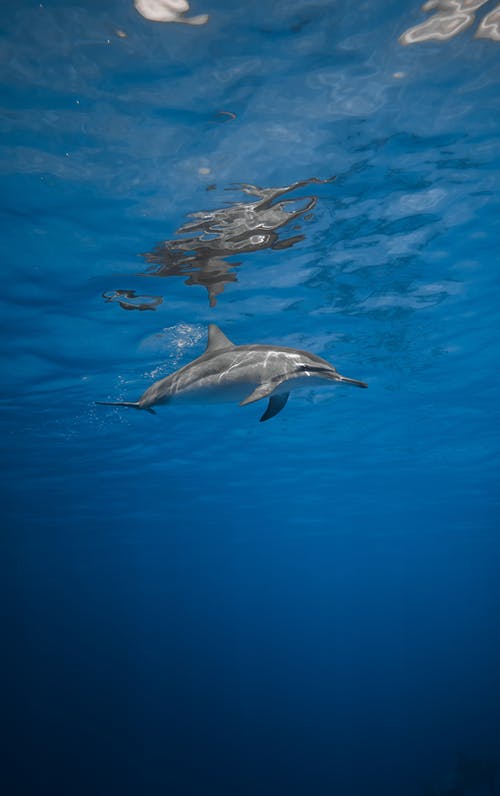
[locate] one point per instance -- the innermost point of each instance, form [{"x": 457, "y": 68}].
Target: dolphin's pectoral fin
[
  {"x": 262, "y": 391},
  {"x": 275, "y": 405},
  {"x": 276, "y": 402}
]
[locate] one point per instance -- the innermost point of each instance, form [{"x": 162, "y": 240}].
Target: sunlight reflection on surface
[
  {"x": 168, "y": 11},
  {"x": 451, "y": 17}
]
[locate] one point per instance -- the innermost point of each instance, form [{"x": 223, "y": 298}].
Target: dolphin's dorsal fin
[{"x": 217, "y": 339}]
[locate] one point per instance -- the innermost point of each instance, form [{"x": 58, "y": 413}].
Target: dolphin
[{"x": 244, "y": 373}]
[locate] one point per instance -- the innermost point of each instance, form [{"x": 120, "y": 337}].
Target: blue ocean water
[{"x": 198, "y": 603}]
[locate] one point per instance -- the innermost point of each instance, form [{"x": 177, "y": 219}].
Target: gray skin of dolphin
[{"x": 244, "y": 373}]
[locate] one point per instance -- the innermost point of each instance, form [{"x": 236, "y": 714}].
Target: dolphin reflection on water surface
[
  {"x": 243, "y": 373},
  {"x": 213, "y": 236}
]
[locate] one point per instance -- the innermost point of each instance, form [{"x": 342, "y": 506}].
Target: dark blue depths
[{"x": 197, "y": 603}]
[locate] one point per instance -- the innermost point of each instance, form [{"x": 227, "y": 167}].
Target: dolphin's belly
[
  {"x": 213, "y": 393},
  {"x": 231, "y": 391}
]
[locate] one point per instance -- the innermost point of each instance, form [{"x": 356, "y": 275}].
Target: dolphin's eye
[{"x": 312, "y": 369}]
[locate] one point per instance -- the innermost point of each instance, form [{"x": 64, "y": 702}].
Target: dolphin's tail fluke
[
  {"x": 132, "y": 404},
  {"x": 353, "y": 381}
]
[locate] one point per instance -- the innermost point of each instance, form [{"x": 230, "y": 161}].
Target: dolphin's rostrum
[{"x": 244, "y": 373}]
